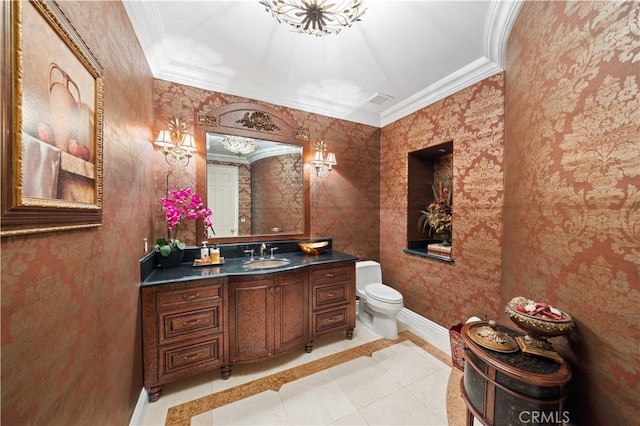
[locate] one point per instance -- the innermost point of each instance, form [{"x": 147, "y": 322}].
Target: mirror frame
[{"x": 253, "y": 121}]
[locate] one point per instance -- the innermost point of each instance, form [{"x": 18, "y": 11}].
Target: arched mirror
[{"x": 254, "y": 174}]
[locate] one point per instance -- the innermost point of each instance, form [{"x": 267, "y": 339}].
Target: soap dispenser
[
  {"x": 204, "y": 253},
  {"x": 214, "y": 253}
]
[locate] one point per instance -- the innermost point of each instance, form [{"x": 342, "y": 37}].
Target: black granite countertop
[{"x": 234, "y": 267}]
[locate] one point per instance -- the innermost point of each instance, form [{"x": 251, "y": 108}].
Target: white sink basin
[{"x": 266, "y": 264}]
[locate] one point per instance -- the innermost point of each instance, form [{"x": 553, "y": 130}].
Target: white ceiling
[{"x": 417, "y": 52}]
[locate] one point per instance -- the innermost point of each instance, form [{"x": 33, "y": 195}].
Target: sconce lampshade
[
  {"x": 164, "y": 139},
  {"x": 331, "y": 159},
  {"x": 318, "y": 157},
  {"x": 188, "y": 143}
]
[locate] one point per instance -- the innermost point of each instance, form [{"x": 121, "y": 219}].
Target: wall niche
[{"x": 426, "y": 169}]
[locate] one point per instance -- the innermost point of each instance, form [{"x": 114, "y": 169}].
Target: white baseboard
[
  {"x": 431, "y": 332},
  {"x": 138, "y": 412}
]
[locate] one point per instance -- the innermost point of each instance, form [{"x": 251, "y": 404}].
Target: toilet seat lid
[{"x": 383, "y": 293}]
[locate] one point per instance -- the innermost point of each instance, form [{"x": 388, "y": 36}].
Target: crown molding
[
  {"x": 223, "y": 82},
  {"x": 501, "y": 16},
  {"x": 476, "y": 71},
  {"x": 146, "y": 23},
  {"x": 500, "y": 19}
]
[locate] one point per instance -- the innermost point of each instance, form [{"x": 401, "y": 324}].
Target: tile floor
[{"x": 401, "y": 384}]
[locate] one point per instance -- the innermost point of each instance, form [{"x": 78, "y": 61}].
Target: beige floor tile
[
  {"x": 431, "y": 390},
  {"x": 364, "y": 381},
  {"x": 154, "y": 415},
  {"x": 407, "y": 363},
  {"x": 262, "y": 409},
  {"x": 399, "y": 408},
  {"x": 315, "y": 400},
  {"x": 204, "y": 419},
  {"x": 353, "y": 419}
]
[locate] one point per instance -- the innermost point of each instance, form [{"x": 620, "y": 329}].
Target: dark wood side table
[{"x": 512, "y": 388}]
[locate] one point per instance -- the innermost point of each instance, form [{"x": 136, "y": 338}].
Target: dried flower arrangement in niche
[{"x": 436, "y": 218}]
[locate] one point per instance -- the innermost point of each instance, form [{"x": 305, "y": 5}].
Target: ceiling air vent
[{"x": 379, "y": 98}]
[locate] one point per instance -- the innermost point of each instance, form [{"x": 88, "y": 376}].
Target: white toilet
[{"x": 379, "y": 303}]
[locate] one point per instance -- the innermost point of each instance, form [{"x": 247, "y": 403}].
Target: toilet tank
[{"x": 367, "y": 272}]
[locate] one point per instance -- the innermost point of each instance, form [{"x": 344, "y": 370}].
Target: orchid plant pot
[{"x": 173, "y": 260}]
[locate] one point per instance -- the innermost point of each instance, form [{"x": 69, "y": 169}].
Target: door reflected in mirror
[{"x": 259, "y": 193}]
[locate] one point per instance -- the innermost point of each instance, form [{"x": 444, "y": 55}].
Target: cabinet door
[
  {"x": 250, "y": 319},
  {"x": 291, "y": 310}
]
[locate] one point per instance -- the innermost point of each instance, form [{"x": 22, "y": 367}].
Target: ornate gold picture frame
[{"x": 52, "y": 113}]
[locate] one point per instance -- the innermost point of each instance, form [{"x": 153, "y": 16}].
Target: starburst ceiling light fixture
[
  {"x": 239, "y": 145},
  {"x": 316, "y": 17}
]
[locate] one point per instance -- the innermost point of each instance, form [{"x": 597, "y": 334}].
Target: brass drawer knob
[{"x": 190, "y": 296}]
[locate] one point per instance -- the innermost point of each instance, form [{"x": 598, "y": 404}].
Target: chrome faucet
[
  {"x": 263, "y": 247},
  {"x": 272, "y": 250},
  {"x": 250, "y": 252}
]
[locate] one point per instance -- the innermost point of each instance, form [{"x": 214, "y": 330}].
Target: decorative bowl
[
  {"x": 316, "y": 247},
  {"x": 537, "y": 326}
]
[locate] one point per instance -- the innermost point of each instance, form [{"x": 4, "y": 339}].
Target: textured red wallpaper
[
  {"x": 276, "y": 194},
  {"x": 344, "y": 205},
  {"x": 449, "y": 293},
  {"x": 553, "y": 145},
  {"x": 572, "y": 175},
  {"x": 70, "y": 319}
]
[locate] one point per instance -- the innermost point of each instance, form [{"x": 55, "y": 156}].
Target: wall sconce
[
  {"x": 323, "y": 161},
  {"x": 176, "y": 144}
]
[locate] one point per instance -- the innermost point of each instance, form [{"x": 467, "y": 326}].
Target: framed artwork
[{"x": 52, "y": 97}]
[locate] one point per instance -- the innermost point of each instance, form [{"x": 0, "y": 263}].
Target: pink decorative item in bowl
[{"x": 539, "y": 320}]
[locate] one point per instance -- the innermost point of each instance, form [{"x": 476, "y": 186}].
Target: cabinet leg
[
  {"x": 154, "y": 393},
  {"x": 225, "y": 372},
  {"x": 469, "y": 418},
  {"x": 349, "y": 333},
  {"x": 308, "y": 347}
]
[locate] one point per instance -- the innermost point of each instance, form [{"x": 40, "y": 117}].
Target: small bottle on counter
[
  {"x": 214, "y": 254},
  {"x": 204, "y": 253}
]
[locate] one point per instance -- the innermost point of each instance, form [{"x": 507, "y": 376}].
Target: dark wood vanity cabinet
[
  {"x": 195, "y": 326},
  {"x": 267, "y": 315},
  {"x": 183, "y": 331}
]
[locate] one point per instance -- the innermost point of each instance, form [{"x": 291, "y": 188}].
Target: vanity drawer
[
  {"x": 194, "y": 294},
  {"x": 330, "y": 320},
  {"x": 330, "y": 295},
  {"x": 202, "y": 355},
  {"x": 190, "y": 324},
  {"x": 331, "y": 275}
]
